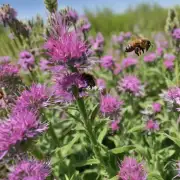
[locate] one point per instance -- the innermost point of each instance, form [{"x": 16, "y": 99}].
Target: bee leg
[
  {"x": 142, "y": 50},
  {"x": 137, "y": 50}
]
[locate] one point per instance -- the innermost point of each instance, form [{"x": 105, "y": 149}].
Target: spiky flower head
[
  {"x": 172, "y": 97},
  {"x": 176, "y": 34},
  {"x": 168, "y": 64},
  {"x": 152, "y": 125},
  {"x": 156, "y": 107},
  {"x": 21, "y": 126},
  {"x": 114, "y": 125},
  {"x": 29, "y": 170},
  {"x": 84, "y": 24},
  {"x": 64, "y": 86},
  {"x": 35, "y": 98},
  {"x": 107, "y": 62},
  {"x": 129, "y": 62},
  {"x": 110, "y": 105},
  {"x": 150, "y": 57},
  {"x": 7, "y": 14},
  {"x": 26, "y": 60},
  {"x": 68, "y": 49},
  {"x": 130, "y": 169},
  {"x": 131, "y": 84}
]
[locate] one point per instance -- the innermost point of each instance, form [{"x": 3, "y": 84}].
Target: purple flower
[
  {"x": 132, "y": 85},
  {"x": 117, "y": 69},
  {"x": 67, "y": 49},
  {"x": 156, "y": 107},
  {"x": 7, "y": 14},
  {"x": 100, "y": 38},
  {"x": 29, "y": 170},
  {"x": 4, "y": 59},
  {"x": 127, "y": 35},
  {"x": 19, "y": 127},
  {"x": 120, "y": 39},
  {"x": 33, "y": 99},
  {"x": 169, "y": 64},
  {"x": 107, "y": 62},
  {"x": 8, "y": 70},
  {"x": 110, "y": 104},
  {"x": 176, "y": 34},
  {"x": 73, "y": 15},
  {"x": 152, "y": 125},
  {"x": 26, "y": 60},
  {"x": 84, "y": 24},
  {"x": 172, "y": 97},
  {"x": 101, "y": 84},
  {"x": 159, "y": 51},
  {"x": 115, "y": 125},
  {"x": 150, "y": 57},
  {"x": 169, "y": 57},
  {"x": 127, "y": 62},
  {"x": 65, "y": 84},
  {"x": 44, "y": 64},
  {"x": 130, "y": 169}
]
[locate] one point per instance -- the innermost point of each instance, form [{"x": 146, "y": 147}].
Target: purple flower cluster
[
  {"x": 128, "y": 62},
  {"x": 130, "y": 169},
  {"x": 169, "y": 61},
  {"x": 67, "y": 49},
  {"x": 84, "y": 24},
  {"x": 156, "y": 107},
  {"x": 19, "y": 127},
  {"x": 107, "y": 62},
  {"x": 152, "y": 125},
  {"x": 26, "y": 60},
  {"x": 150, "y": 57},
  {"x": 7, "y": 14},
  {"x": 114, "y": 125},
  {"x": 110, "y": 104},
  {"x": 29, "y": 170},
  {"x": 172, "y": 97},
  {"x": 118, "y": 40},
  {"x": 8, "y": 70},
  {"x": 132, "y": 85},
  {"x": 176, "y": 34},
  {"x": 98, "y": 44},
  {"x": 65, "y": 84},
  {"x": 101, "y": 84},
  {"x": 33, "y": 99}
]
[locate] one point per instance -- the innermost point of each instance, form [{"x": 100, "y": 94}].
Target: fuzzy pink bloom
[
  {"x": 107, "y": 62},
  {"x": 132, "y": 85},
  {"x": 29, "y": 170},
  {"x": 159, "y": 51},
  {"x": 114, "y": 125},
  {"x": 169, "y": 64},
  {"x": 176, "y": 34},
  {"x": 169, "y": 57},
  {"x": 152, "y": 125},
  {"x": 150, "y": 57},
  {"x": 68, "y": 48},
  {"x": 21, "y": 126},
  {"x": 117, "y": 69},
  {"x": 33, "y": 99},
  {"x": 156, "y": 107},
  {"x": 127, "y": 62},
  {"x": 110, "y": 104},
  {"x": 8, "y": 70},
  {"x": 130, "y": 169}
]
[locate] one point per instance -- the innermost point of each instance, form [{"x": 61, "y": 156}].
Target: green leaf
[
  {"x": 154, "y": 176},
  {"x": 114, "y": 178},
  {"x": 66, "y": 150},
  {"x": 136, "y": 128},
  {"x": 87, "y": 162},
  {"x": 123, "y": 149},
  {"x": 174, "y": 139},
  {"x": 102, "y": 134},
  {"x": 94, "y": 113},
  {"x": 141, "y": 150}
]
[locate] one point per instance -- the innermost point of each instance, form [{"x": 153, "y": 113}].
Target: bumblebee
[
  {"x": 89, "y": 79},
  {"x": 138, "y": 45}
]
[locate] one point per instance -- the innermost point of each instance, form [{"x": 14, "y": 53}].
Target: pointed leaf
[
  {"x": 122, "y": 149},
  {"x": 102, "y": 134},
  {"x": 94, "y": 113},
  {"x": 136, "y": 128},
  {"x": 154, "y": 176},
  {"x": 87, "y": 162}
]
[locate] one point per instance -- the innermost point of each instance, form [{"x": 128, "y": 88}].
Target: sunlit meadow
[{"x": 119, "y": 123}]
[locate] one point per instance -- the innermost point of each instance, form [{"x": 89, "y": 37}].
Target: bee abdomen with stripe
[{"x": 129, "y": 48}]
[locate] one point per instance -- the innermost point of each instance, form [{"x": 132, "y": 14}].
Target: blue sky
[{"x": 28, "y": 8}]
